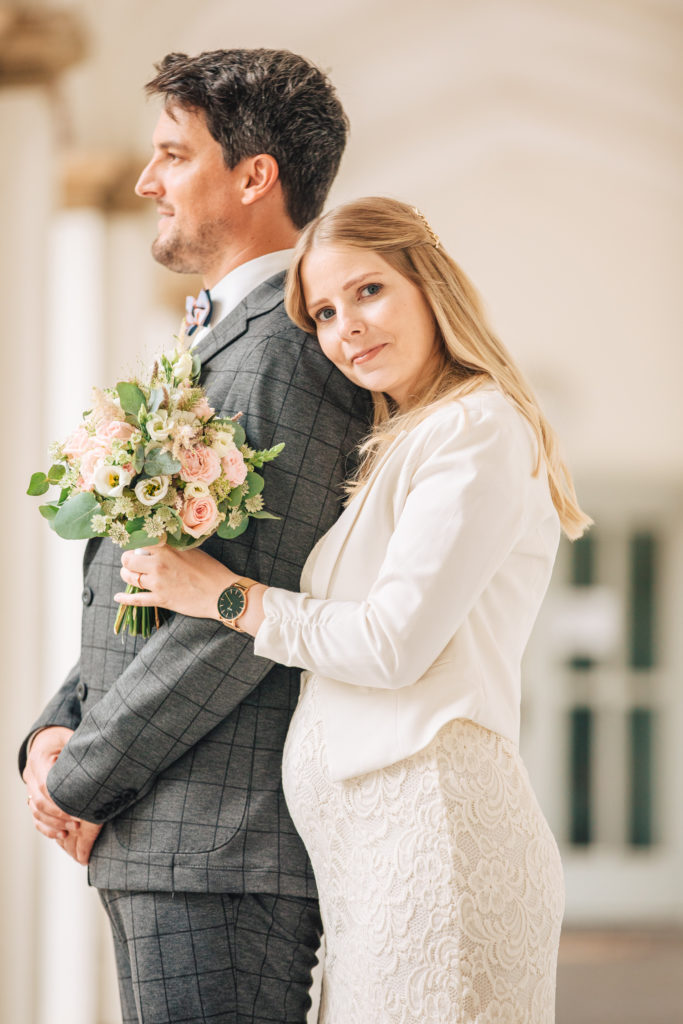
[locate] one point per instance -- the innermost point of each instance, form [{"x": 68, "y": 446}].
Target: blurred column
[
  {"x": 35, "y": 48},
  {"x": 81, "y": 352}
]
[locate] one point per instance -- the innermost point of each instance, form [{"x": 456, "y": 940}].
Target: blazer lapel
[
  {"x": 331, "y": 545},
  {"x": 262, "y": 299}
]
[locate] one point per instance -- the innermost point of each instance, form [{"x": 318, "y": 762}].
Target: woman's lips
[{"x": 367, "y": 355}]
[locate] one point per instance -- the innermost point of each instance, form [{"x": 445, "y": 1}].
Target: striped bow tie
[{"x": 198, "y": 311}]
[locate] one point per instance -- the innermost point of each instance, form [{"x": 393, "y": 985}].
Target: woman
[{"x": 440, "y": 883}]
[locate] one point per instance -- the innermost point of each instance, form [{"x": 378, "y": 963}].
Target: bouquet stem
[{"x": 138, "y": 621}]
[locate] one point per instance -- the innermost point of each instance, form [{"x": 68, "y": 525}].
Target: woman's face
[{"x": 373, "y": 323}]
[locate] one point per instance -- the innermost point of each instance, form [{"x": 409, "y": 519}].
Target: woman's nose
[{"x": 350, "y": 325}]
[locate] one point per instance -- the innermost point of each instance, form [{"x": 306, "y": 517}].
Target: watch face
[{"x": 232, "y": 602}]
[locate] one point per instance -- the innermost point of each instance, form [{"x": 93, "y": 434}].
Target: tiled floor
[{"x": 620, "y": 977}]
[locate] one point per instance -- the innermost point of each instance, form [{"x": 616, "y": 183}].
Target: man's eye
[
  {"x": 371, "y": 289},
  {"x": 326, "y": 313}
]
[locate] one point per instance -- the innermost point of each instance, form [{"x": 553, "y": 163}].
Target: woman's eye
[
  {"x": 371, "y": 289},
  {"x": 326, "y": 313}
]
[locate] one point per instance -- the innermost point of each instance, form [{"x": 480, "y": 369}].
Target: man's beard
[{"x": 191, "y": 255}]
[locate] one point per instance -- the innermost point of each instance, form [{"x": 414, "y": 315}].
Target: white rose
[
  {"x": 158, "y": 426},
  {"x": 196, "y": 489},
  {"x": 182, "y": 367},
  {"x": 109, "y": 481},
  {"x": 222, "y": 443},
  {"x": 151, "y": 490}
]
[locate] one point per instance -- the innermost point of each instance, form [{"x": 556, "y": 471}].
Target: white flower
[
  {"x": 151, "y": 490},
  {"x": 182, "y": 367},
  {"x": 158, "y": 425},
  {"x": 110, "y": 480},
  {"x": 196, "y": 489},
  {"x": 222, "y": 443},
  {"x": 100, "y": 523}
]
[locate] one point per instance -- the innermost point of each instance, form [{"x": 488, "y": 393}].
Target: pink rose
[
  {"x": 78, "y": 443},
  {"x": 199, "y": 463},
  {"x": 234, "y": 467},
  {"x": 115, "y": 428},
  {"x": 89, "y": 464},
  {"x": 200, "y": 515},
  {"x": 203, "y": 410}
]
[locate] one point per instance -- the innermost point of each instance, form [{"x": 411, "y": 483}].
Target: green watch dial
[{"x": 232, "y": 602}]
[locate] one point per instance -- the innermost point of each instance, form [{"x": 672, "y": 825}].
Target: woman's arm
[{"x": 188, "y": 582}]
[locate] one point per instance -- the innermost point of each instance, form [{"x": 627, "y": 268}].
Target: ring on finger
[{"x": 139, "y": 583}]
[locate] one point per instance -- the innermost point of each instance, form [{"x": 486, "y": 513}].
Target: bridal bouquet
[{"x": 152, "y": 462}]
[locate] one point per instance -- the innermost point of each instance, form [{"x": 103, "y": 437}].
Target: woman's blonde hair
[{"x": 471, "y": 354}]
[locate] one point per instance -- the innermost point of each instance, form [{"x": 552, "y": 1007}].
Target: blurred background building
[{"x": 543, "y": 139}]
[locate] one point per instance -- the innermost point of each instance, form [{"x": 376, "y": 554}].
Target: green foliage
[
  {"x": 262, "y": 514},
  {"x": 156, "y": 397},
  {"x": 254, "y": 484},
  {"x": 38, "y": 484},
  {"x": 259, "y": 458},
  {"x": 131, "y": 397},
  {"x": 55, "y": 473},
  {"x": 73, "y": 519},
  {"x": 238, "y": 434},
  {"x": 48, "y": 511},
  {"x": 230, "y": 532},
  {"x": 139, "y": 539},
  {"x": 160, "y": 463}
]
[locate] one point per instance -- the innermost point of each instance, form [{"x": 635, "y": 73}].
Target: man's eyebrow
[{"x": 171, "y": 144}]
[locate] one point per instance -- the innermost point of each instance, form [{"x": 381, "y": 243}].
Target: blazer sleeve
[
  {"x": 64, "y": 709},
  {"x": 464, "y": 512},
  {"x": 192, "y": 673}
]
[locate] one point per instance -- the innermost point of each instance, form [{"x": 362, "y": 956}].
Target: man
[{"x": 172, "y": 746}]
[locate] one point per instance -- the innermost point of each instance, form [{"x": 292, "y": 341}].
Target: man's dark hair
[{"x": 264, "y": 101}]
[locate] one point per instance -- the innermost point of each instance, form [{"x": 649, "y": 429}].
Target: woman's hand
[{"x": 188, "y": 582}]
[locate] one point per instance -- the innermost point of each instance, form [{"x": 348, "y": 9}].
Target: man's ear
[{"x": 261, "y": 174}]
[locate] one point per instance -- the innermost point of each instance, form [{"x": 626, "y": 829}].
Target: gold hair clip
[{"x": 434, "y": 238}]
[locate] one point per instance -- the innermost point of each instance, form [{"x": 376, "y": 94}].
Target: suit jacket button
[
  {"x": 87, "y": 595},
  {"x": 81, "y": 691}
]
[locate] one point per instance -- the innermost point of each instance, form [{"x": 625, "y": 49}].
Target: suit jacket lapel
[{"x": 262, "y": 299}]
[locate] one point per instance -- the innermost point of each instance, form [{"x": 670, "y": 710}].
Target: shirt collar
[{"x": 227, "y": 294}]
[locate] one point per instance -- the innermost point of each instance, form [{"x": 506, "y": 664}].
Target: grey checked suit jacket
[{"x": 178, "y": 740}]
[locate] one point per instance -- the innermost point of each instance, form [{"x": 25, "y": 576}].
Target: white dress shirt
[
  {"x": 418, "y": 603},
  {"x": 227, "y": 294}
]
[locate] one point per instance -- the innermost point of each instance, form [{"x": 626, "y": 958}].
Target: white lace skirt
[{"x": 440, "y": 883}]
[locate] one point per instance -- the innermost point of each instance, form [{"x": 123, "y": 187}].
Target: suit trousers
[{"x": 184, "y": 958}]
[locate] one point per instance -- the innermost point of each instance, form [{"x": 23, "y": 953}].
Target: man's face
[{"x": 197, "y": 195}]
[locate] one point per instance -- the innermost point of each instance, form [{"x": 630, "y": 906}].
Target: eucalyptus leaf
[
  {"x": 133, "y": 525},
  {"x": 239, "y": 435},
  {"x": 131, "y": 397},
  {"x": 38, "y": 484},
  {"x": 139, "y": 458},
  {"x": 230, "y": 532},
  {"x": 263, "y": 515},
  {"x": 55, "y": 473},
  {"x": 73, "y": 520},
  {"x": 48, "y": 511},
  {"x": 254, "y": 484},
  {"x": 139, "y": 539},
  {"x": 160, "y": 463},
  {"x": 196, "y": 366},
  {"x": 234, "y": 499}
]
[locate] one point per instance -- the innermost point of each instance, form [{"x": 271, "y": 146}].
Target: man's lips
[{"x": 366, "y": 355}]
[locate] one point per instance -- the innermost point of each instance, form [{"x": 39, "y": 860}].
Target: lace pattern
[{"x": 440, "y": 882}]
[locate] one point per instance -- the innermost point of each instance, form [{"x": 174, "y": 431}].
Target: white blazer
[{"x": 417, "y": 605}]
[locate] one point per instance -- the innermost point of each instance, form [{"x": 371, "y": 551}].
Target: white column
[
  {"x": 25, "y": 203},
  {"x": 73, "y": 363}
]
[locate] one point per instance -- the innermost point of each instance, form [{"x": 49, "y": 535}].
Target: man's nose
[{"x": 148, "y": 185}]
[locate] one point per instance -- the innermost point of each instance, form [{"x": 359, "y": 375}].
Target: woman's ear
[{"x": 261, "y": 174}]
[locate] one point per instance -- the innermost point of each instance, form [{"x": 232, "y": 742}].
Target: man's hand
[
  {"x": 48, "y": 818},
  {"x": 78, "y": 841}
]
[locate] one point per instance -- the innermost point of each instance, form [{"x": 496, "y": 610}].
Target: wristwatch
[{"x": 232, "y": 603}]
